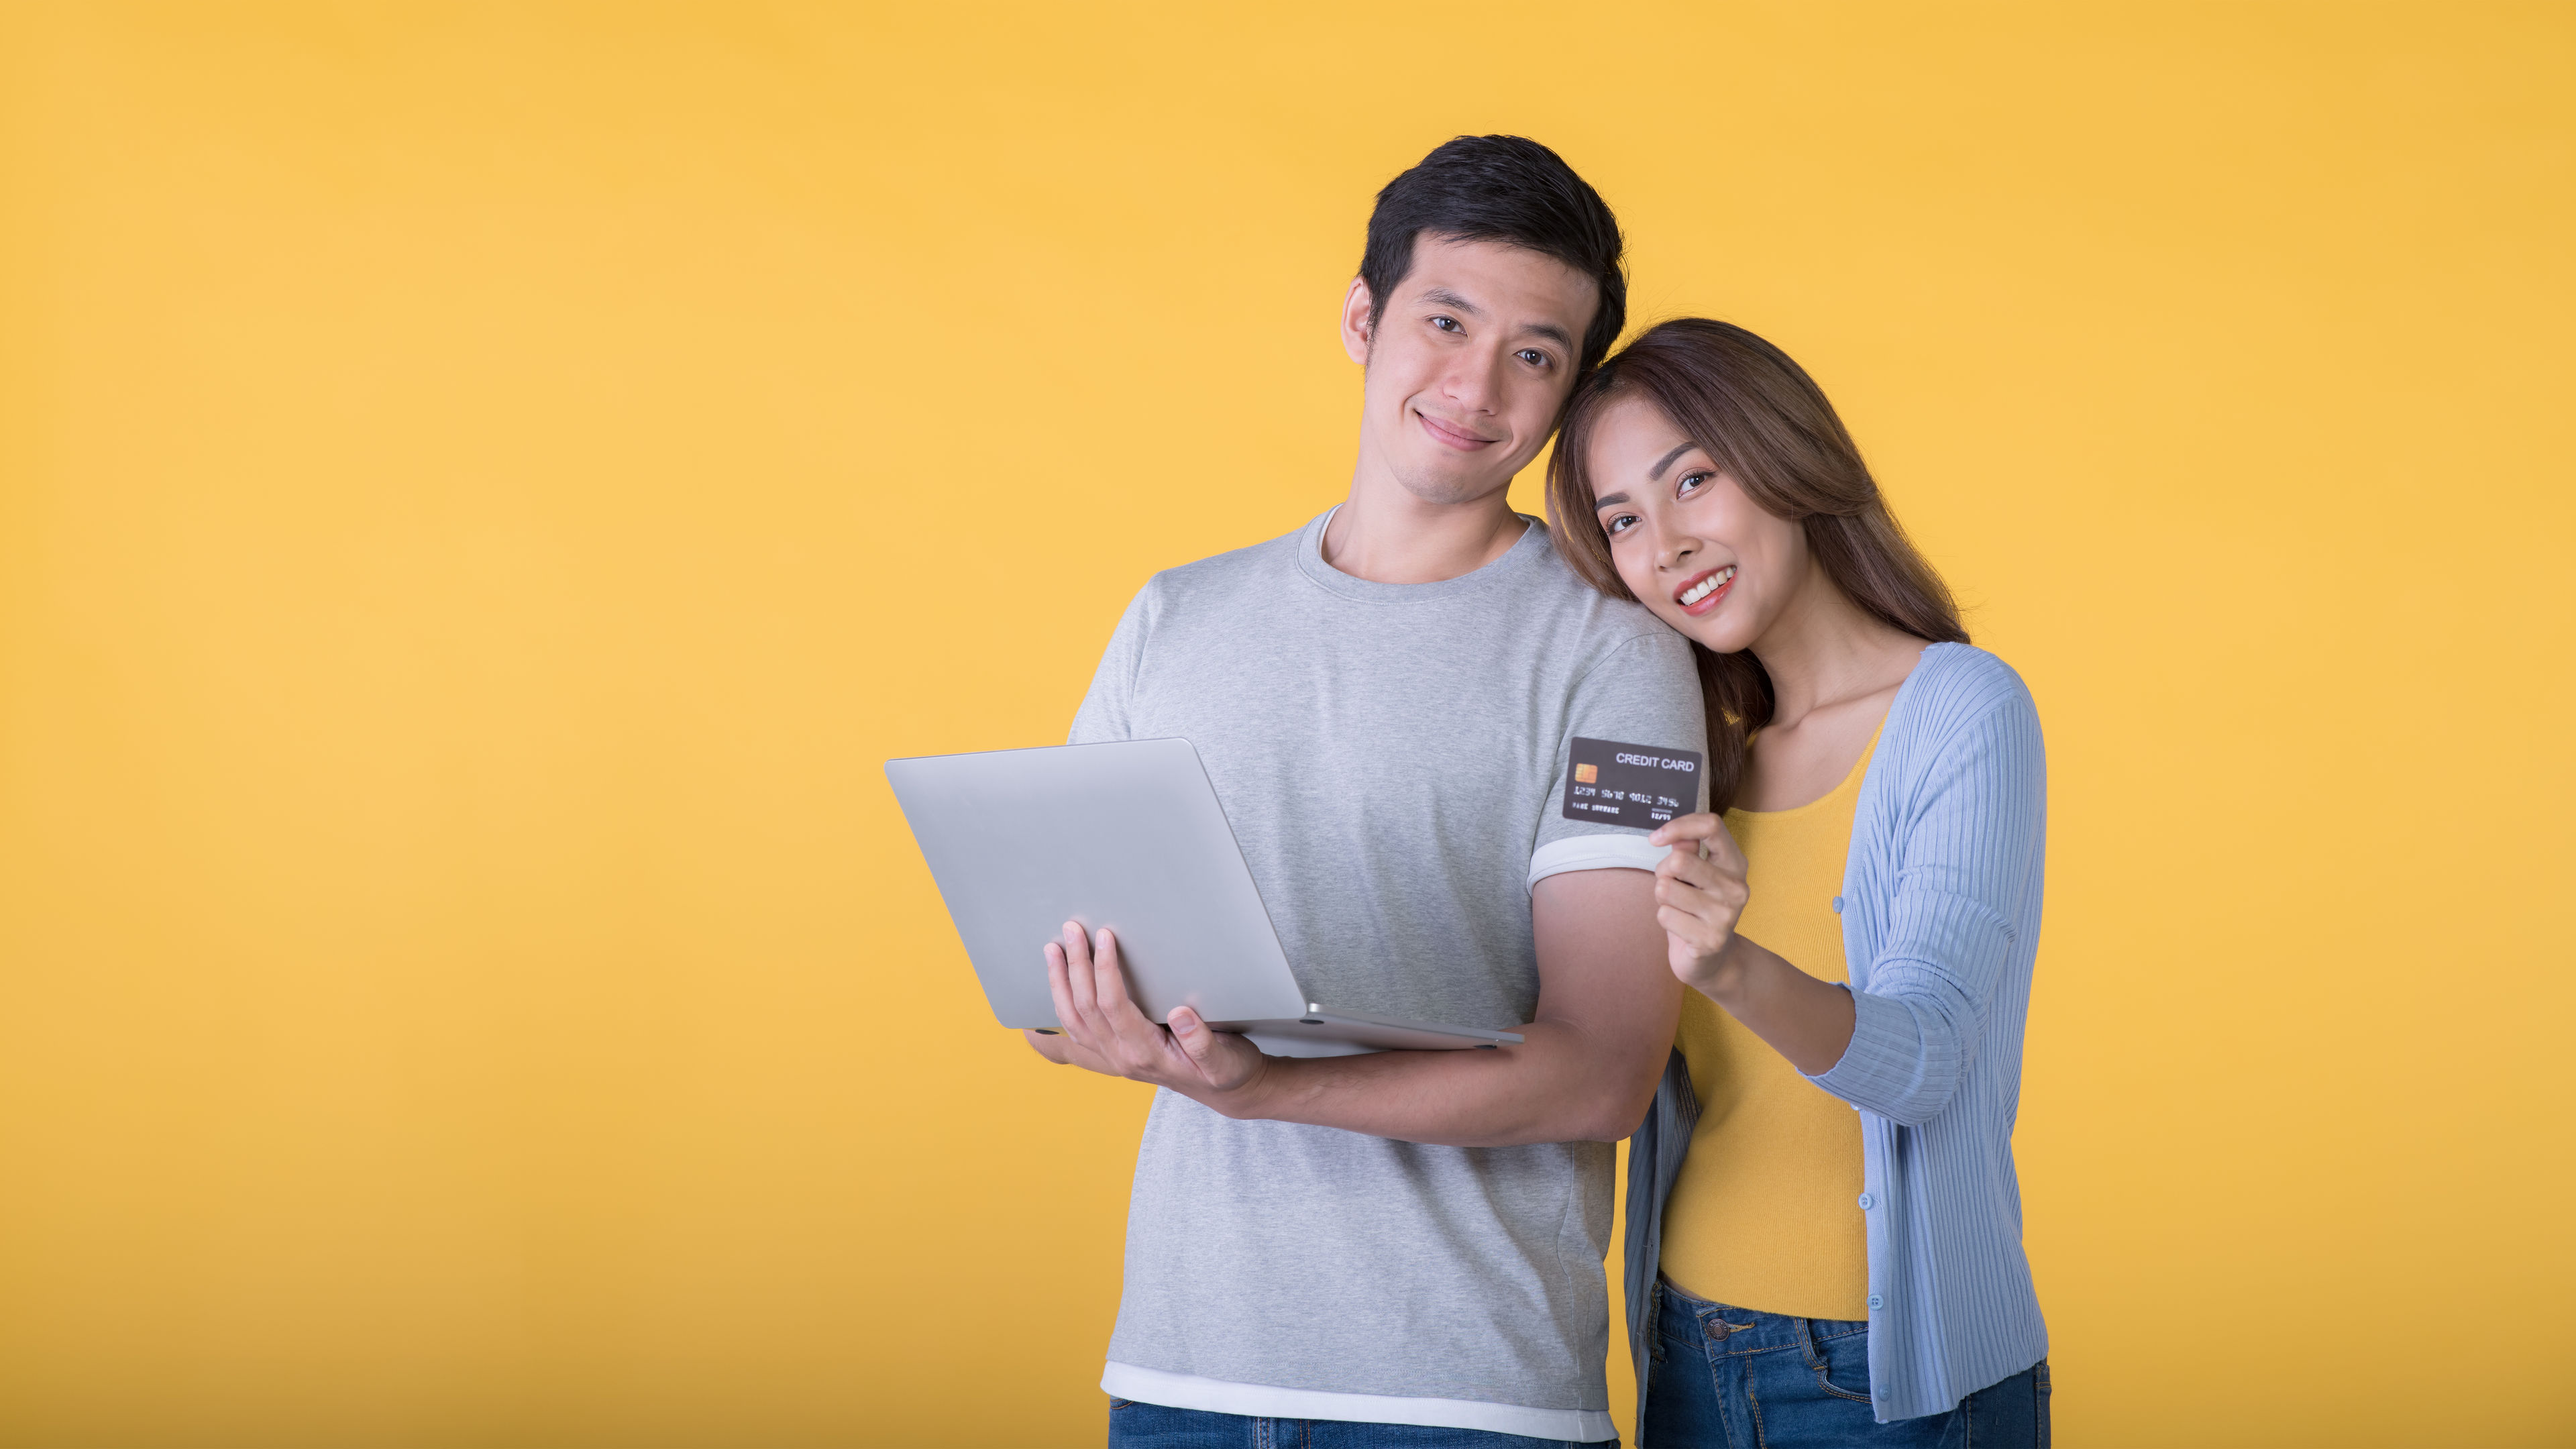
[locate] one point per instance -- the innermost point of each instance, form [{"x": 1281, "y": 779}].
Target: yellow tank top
[{"x": 1766, "y": 1212}]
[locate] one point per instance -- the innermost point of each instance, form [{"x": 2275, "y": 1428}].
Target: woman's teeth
[{"x": 1707, "y": 586}]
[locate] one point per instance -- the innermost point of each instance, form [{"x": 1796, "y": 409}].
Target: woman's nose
[{"x": 1673, "y": 548}]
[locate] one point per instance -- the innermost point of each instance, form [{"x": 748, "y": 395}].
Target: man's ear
[{"x": 1356, "y": 327}]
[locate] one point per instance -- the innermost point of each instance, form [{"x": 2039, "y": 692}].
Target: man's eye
[
  {"x": 1446, "y": 324},
  {"x": 1532, "y": 356}
]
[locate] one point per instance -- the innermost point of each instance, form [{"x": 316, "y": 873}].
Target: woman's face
[{"x": 1688, "y": 542}]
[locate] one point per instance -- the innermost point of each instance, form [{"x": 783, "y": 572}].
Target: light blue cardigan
[{"x": 1940, "y": 909}]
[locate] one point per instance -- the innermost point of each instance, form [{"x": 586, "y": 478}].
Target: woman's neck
[{"x": 1824, "y": 650}]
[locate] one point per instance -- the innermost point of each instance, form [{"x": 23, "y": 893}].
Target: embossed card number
[{"x": 1635, "y": 785}]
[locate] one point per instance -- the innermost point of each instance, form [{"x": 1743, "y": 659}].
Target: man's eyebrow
[
  {"x": 1550, "y": 331},
  {"x": 1656, "y": 472},
  {"x": 1443, "y": 297}
]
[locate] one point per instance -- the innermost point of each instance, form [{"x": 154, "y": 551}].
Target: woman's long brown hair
[{"x": 1768, "y": 426}]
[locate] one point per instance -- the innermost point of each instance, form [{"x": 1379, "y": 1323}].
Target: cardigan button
[
  {"x": 1876, "y": 1303},
  {"x": 1838, "y": 905},
  {"x": 1867, "y": 1202}
]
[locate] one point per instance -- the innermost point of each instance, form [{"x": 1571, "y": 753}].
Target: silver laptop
[{"x": 1129, "y": 836}]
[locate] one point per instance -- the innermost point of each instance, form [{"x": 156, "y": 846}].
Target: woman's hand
[
  {"x": 1700, "y": 892},
  {"x": 1105, "y": 1032}
]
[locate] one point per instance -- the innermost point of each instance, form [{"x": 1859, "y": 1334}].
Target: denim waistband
[{"x": 1730, "y": 1329}]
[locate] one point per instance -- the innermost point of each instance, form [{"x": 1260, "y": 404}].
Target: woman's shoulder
[{"x": 1957, "y": 685}]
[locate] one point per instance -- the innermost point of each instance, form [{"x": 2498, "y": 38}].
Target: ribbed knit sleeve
[{"x": 1973, "y": 836}]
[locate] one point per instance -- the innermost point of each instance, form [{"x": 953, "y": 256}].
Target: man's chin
[{"x": 1444, "y": 488}]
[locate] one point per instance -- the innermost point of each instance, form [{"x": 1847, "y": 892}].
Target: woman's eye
[
  {"x": 1620, "y": 523},
  {"x": 1690, "y": 481},
  {"x": 1446, "y": 324}
]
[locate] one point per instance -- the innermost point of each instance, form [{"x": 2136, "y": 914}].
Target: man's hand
[
  {"x": 1584, "y": 1071},
  {"x": 1700, "y": 894},
  {"x": 1104, "y": 1030}
]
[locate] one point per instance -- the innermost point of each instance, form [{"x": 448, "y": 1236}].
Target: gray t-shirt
[{"x": 1391, "y": 757}]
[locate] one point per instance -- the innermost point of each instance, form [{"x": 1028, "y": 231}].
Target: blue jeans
[
  {"x": 1152, "y": 1426},
  {"x": 1737, "y": 1379}
]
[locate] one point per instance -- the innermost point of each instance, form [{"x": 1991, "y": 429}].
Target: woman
[{"x": 1824, "y": 1230}]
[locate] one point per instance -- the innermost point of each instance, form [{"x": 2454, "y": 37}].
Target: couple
[{"x": 1806, "y": 1008}]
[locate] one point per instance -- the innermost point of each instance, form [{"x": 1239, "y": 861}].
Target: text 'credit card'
[{"x": 1644, "y": 786}]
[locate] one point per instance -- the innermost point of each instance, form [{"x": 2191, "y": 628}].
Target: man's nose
[{"x": 1475, "y": 381}]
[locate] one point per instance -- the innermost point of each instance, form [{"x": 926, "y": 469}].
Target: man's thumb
[{"x": 1193, "y": 1033}]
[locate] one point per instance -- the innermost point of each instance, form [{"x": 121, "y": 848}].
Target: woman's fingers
[
  {"x": 1688, "y": 828},
  {"x": 1684, "y": 866},
  {"x": 1697, "y": 933},
  {"x": 1724, "y": 853},
  {"x": 1712, "y": 909}
]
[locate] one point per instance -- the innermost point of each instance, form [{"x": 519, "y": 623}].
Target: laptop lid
[{"x": 1127, "y": 835}]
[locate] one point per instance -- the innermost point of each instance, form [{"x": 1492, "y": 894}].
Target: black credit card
[{"x": 1608, "y": 783}]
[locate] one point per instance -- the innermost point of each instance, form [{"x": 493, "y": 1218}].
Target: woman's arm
[
  {"x": 1700, "y": 894},
  {"x": 1902, "y": 1047}
]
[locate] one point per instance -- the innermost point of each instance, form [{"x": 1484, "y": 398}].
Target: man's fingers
[
  {"x": 1221, "y": 1059},
  {"x": 1191, "y": 1031},
  {"x": 1061, "y": 989},
  {"x": 1109, "y": 984},
  {"x": 1118, "y": 1011},
  {"x": 1081, "y": 983}
]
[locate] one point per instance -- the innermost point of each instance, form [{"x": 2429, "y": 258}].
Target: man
[{"x": 1384, "y": 701}]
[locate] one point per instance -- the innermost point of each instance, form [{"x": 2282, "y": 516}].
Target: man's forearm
[
  {"x": 1585, "y": 1070},
  {"x": 1561, "y": 1084}
]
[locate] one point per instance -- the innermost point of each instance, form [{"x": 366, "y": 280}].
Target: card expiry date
[{"x": 1608, "y": 783}]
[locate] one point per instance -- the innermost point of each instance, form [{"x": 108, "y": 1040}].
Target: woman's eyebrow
[
  {"x": 1603, "y": 502},
  {"x": 1657, "y": 472}
]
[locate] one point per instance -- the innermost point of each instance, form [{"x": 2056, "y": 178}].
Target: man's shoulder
[
  {"x": 1596, "y": 623},
  {"x": 1233, "y": 569}
]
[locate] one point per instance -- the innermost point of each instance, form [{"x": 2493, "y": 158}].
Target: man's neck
[{"x": 1388, "y": 536}]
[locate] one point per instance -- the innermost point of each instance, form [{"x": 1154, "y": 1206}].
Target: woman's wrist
[{"x": 1720, "y": 977}]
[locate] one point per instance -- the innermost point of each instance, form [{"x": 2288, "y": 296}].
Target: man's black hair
[{"x": 1505, "y": 189}]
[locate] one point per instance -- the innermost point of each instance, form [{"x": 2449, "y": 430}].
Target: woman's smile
[{"x": 1705, "y": 591}]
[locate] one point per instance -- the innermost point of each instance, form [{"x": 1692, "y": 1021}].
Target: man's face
[{"x": 1468, "y": 364}]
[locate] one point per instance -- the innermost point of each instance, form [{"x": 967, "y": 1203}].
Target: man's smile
[{"x": 1452, "y": 435}]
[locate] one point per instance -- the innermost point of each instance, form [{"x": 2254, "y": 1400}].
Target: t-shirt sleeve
[
  {"x": 1107, "y": 711},
  {"x": 1644, "y": 692}
]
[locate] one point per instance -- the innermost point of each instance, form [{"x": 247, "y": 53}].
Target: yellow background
[{"x": 485, "y": 487}]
